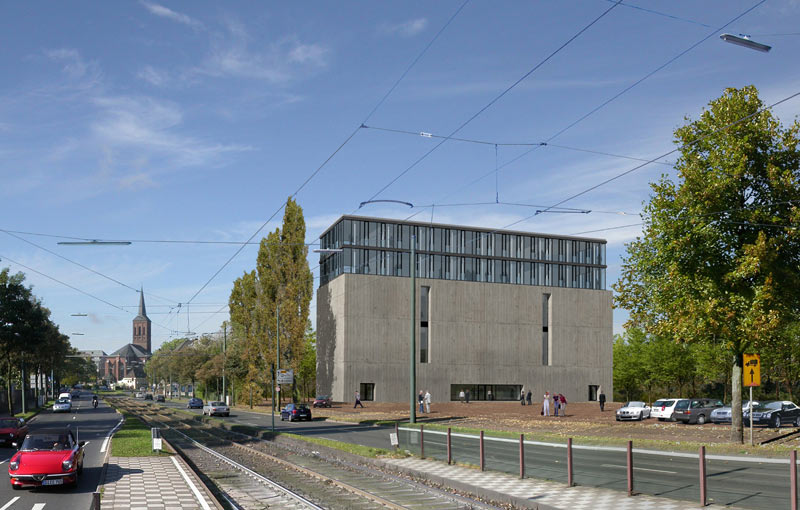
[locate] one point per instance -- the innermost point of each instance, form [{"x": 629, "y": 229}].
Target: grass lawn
[
  {"x": 30, "y": 414},
  {"x": 133, "y": 440}
]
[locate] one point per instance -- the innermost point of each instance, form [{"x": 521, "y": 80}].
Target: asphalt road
[
  {"x": 672, "y": 475},
  {"x": 93, "y": 426}
]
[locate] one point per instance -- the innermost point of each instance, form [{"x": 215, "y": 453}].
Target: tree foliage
[{"x": 719, "y": 258}]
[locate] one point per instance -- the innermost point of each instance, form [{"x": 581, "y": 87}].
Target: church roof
[
  {"x": 142, "y": 311},
  {"x": 130, "y": 351}
]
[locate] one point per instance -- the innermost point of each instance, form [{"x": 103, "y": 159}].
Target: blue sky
[{"x": 196, "y": 120}]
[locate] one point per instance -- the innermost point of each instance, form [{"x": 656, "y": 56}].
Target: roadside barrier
[
  {"x": 703, "y": 494},
  {"x": 793, "y": 478},
  {"x": 522, "y": 455}
]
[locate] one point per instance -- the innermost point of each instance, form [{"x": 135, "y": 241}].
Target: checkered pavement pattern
[
  {"x": 551, "y": 494},
  {"x": 147, "y": 483}
]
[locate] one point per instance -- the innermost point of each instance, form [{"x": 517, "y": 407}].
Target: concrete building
[{"x": 496, "y": 311}]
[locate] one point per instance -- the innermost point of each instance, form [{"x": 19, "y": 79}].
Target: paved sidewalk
[
  {"x": 535, "y": 493},
  {"x": 163, "y": 483}
]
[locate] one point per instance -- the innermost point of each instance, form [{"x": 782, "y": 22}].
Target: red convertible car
[
  {"x": 47, "y": 457},
  {"x": 12, "y": 430}
]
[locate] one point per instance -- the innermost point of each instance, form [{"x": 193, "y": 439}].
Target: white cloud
[
  {"x": 153, "y": 76},
  {"x": 164, "y": 12},
  {"x": 406, "y": 29}
]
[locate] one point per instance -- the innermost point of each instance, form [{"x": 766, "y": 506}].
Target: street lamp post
[{"x": 413, "y": 343}]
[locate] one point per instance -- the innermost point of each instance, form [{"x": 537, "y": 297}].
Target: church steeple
[{"x": 141, "y": 326}]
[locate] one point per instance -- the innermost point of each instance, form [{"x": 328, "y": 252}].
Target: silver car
[
  {"x": 62, "y": 405},
  {"x": 723, "y": 414},
  {"x": 216, "y": 408},
  {"x": 633, "y": 411}
]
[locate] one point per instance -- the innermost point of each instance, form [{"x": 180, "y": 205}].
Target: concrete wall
[{"x": 480, "y": 333}]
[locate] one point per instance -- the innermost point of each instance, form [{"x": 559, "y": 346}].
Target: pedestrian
[
  {"x": 489, "y": 395},
  {"x": 602, "y": 400},
  {"x": 421, "y": 400},
  {"x": 528, "y": 397},
  {"x": 546, "y": 404},
  {"x": 427, "y": 401},
  {"x": 522, "y": 396},
  {"x": 555, "y": 403},
  {"x": 466, "y": 395},
  {"x": 358, "y": 401},
  {"x": 563, "y": 400},
  {"x": 461, "y": 396}
]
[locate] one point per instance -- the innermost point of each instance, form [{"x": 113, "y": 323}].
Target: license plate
[{"x": 54, "y": 481}]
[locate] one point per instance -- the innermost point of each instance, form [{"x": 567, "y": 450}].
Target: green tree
[
  {"x": 719, "y": 257},
  {"x": 307, "y": 374}
]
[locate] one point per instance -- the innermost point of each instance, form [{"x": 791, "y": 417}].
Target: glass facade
[{"x": 448, "y": 252}]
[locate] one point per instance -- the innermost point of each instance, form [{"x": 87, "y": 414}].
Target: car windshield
[
  {"x": 63, "y": 401},
  {"x": 322, "y": 397},
  {"x": 772, "y": 405},
  {"x": 53, "y": 442},
  {"x": 8, "y": 423},
  {"x": 634, "y": 404},
  {"x": 216, "y": 403},
  {"x": 663, "y": 403},
  {"x": 682, "y": 404},
  {"x": 302, "y": 406}
]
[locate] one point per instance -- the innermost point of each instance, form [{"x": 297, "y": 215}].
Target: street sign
[
  {"x": 393, "y": 439},
  {"x": 285, "y": 376},
  {"x": 752, "y": 369}
]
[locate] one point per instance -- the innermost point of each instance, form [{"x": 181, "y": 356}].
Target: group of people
[
  {"x": 424, "y": 402},
  {"x": 559, "y": 404},
  {"x": 463, "y": 395}
]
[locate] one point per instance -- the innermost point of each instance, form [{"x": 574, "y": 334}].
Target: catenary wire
[{"x": 493, "y": 101}]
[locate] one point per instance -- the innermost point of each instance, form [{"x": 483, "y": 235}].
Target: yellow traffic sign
[{"x": 752, "y": 369}]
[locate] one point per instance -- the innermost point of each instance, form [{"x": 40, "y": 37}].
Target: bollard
[
  {"x": 95, "y": 501},
  {"x": 569, "y": 463},
  {"x": 422, "y": 441},
  {"x": 522, "y": 455},
  {"x": 449, "y": 448},
  {"x": 630, "y": 468},
  {"x": 703, "y": 493},
  {"x": 482, "y": 456},
  {"x": 793, "y": 475}
]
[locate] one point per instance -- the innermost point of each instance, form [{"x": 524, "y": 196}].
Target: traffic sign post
[
  {"x": 285, "y": 376},
  {"x": 752, "y": 377}
]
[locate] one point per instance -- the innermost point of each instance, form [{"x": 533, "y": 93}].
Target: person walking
[
  {"x": 421, "y": 400},
  {"x": 555, "y": 403},
  {"x": 461, "y": 396},
  {"x": 546, "y": 404},
  {"x": 563, "y": 402},
  {"x": 427, "y": 401},
  {"x": 602, "y": 399},
  {"x": 489, "y": 395},
  {"x": 358, "y": 401},
  {"x": 528, "y": 397},
  {"x": 522, "y": 396},
  {"x": 466, "y": 395}
]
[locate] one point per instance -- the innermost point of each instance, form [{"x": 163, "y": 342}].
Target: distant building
[
  {"x": 96, "y": 356},
  {"x": 497, "y": 311},
  {"x": 128, "y": 361}
]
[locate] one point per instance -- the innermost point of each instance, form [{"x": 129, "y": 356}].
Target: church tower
[{"x": 141, "y": 326}]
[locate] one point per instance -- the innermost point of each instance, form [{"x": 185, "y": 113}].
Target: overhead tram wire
[
  {"x": 98, "y": 273},
  {"x": 608, "y": 101},
  {"x": 345, "y": 142},
  {"x": 494, "y": 100}
]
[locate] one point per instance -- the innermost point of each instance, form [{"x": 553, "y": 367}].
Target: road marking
[
  {"x": 108, "y": 437},
  {"x": 191, "y": 485},
  {"x": 13, "y": 500},
  {"x": 641, "y": 469},
  {"x": 38, "y": 506}
]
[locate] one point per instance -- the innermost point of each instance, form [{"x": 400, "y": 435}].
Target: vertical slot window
[
  {"x": 424, "y": 331},
  {"x": 546, "y": 341}
]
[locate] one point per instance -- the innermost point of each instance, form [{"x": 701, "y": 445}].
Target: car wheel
[
  {"x": 617, "y": 418},
  {"x": 775, "y": 422},
  {"x": 16, "y": 487},
  {"x": 797, "y": 421},
  {"x": 701, "y": 420},
  {"x": 641, "y": 416}
]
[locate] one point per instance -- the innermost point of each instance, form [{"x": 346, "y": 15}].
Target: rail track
[{"x": 251, "y": 473}]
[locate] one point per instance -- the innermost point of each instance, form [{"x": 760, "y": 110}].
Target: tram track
[{"x": 327, "y": 482}]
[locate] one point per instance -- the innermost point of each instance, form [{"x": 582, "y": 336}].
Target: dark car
[
  {"x": 75, "y": 395},
  {"x": 696, "y": 410},
  {"x": 322, "y": 401},
  {"x": 195, "y": 403},
  {"x": 12, "y": 430},
  {"x": 149, "y": 396},
  {"x": 775, "y": 414},
  {"x": 294, "y": 412},
  {"x": 160, "y": 398}
]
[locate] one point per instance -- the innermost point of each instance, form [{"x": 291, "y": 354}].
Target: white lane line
[
  {"x": 38, "y": 506},
  {"x": 13, "y": 500},
  {"x": 108, "y": 437},
  {"x": 641, "y": 469},
  {"x": 194, "y": 488}
]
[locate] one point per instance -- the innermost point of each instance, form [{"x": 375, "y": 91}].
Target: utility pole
[
  {"x": 23, "y": 385},
  {"x": 413, "y": 358},
  {"x": 224, "y": 359},
  {"x": 277, "y": 362}
]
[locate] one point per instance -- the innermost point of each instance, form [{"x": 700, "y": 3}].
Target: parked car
[
  {"x": 195, "y": 403},
  {"x": 76, "y": 395},
  {"x": 696, "y": 410},
  {"x": 723, "y": 414},
  {"x": 62, "y": 405},
  {"x": 65, "y": 395},
  {"x": 139, "y": 394},
  {"x": 663, "y": 409},
  {"x": 633, "y": 411},
  {"x": 160, "y": 398},
  {"x": 12, "y": 430},
  {"x": 47, "y": 457},
  {"x": 148, "y": 396},
  {"x": 214, "y": 408},
  {"x": 774, "y": 414},
  {"x": 323, "y": 401},
  {"x": 294, "y": 412}
]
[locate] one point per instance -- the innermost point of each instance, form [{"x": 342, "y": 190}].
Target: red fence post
[
  {"x": 569, "y": 463},
  {"x": 522, "y": 455},
  {"x": 482, "y": 457},
  {"x": 449, "y": 448},
  {"x": 703, "y": 494},
  {"x": 793, "y": 475},
  {"x": 422, "y": 441},
  {"x": 630, "y": 468}
]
